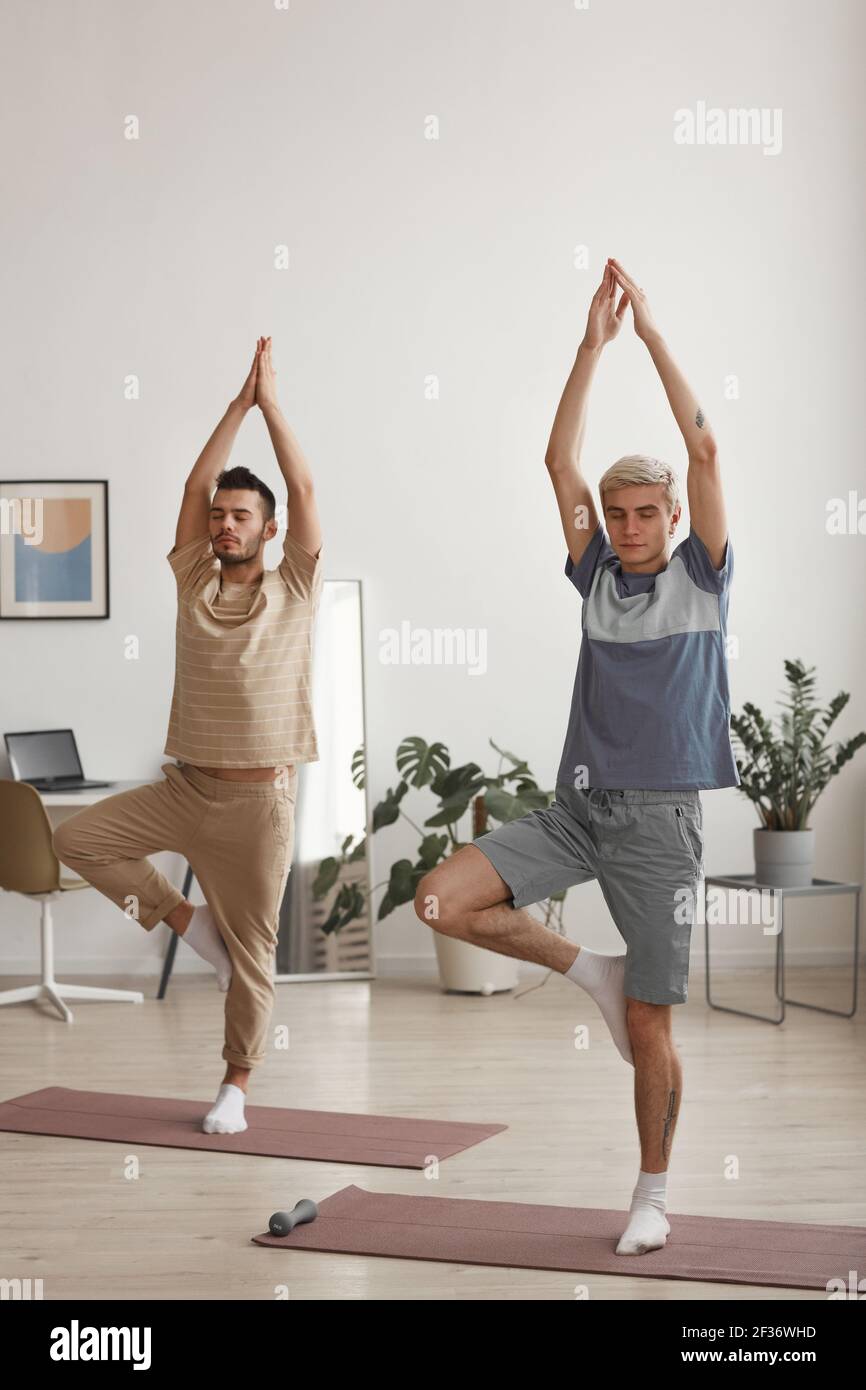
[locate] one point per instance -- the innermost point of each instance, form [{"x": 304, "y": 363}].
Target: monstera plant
[
  {"x": 784, "y": 776},
  {"x": 457, "y": 794}
]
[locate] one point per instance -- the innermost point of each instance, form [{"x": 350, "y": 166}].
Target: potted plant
[
  {"x": 784, "y": 776},
  {"x": 458, "y": 791}
]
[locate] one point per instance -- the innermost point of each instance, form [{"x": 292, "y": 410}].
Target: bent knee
[{"x": 434, "y": 901}]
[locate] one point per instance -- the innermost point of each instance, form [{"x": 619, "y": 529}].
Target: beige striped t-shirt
[{"x": 243, "y": 662}]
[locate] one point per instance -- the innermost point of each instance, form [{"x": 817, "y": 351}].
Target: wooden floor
[{"x": 786, "y": 1104}]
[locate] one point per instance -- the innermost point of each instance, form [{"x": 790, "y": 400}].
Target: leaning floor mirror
[{"x": 325, "y": 929}]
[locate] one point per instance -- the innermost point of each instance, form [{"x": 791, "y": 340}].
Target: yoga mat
[
  {"x": 582, "y": 1240},
  {"x": 334, "y": 1136}
]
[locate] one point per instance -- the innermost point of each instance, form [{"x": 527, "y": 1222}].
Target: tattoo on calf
[{"x": 669, "y": 1123}]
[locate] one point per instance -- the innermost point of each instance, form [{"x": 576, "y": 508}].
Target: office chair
[{"x": 29, "y": 866}]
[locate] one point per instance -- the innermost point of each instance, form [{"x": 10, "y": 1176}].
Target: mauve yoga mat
[
  {"x": 332, "y": 1136},
  {"x": 582, "y": 1240}
]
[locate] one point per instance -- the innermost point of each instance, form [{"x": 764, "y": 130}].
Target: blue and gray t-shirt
[{"x": 651, "y": 705}]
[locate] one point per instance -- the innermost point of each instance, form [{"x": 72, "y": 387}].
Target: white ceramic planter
[
  {"x": 472, "y": 970},
  {"x": 784, "y": 858}
]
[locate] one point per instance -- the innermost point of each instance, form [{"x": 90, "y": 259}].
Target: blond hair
[{"x": 634, "y": 469}]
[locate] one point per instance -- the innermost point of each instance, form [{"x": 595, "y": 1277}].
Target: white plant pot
[
  {"x": 471, "y": 969},
  {"x": 784, "y": 858}
]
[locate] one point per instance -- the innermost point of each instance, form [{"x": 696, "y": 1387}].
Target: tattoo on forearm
[
  {"x": 669, "y": 1123},
  {"x": 699, "y": 418}
]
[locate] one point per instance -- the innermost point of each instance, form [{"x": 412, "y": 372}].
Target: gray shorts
[{"x": 646, "y": 850}]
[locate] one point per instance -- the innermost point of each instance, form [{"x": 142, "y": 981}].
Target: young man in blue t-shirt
[{"x": 648, "y": 730}]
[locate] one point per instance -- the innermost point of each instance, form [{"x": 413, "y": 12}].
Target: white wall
[{"x": 408, "y": 256}]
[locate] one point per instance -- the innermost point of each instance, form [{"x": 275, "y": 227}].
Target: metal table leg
[
  {"x": 779, "y": 972},
  {"x": 819, "y": 1008}
]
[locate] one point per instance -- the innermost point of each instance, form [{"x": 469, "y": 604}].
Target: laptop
[{"x": 48, "y": 759}]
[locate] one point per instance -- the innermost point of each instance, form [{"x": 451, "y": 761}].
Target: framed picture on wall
[{"x": 54, "y": 548}]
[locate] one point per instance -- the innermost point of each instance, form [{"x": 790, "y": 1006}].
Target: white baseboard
[{"x": 409, "y": 966}]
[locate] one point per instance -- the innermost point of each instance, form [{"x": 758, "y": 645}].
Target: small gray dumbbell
[{"x": 284, "y": 1221}]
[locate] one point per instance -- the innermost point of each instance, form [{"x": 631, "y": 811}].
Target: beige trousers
[{"x": 237, "y": 838}]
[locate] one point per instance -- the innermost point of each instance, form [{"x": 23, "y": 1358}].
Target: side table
[{"x": 817, "y": 886}]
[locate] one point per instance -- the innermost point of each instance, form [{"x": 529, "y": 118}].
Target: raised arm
[
  {"x": 703, "y": 481},
  {"x": 303, "y": 518},
  {"x": 194, "y": 513},
  {"x": 573, "y": 493}
]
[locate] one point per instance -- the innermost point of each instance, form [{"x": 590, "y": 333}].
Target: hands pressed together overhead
[
  {"x": 260, "y": 387},
  {"x": 605, "y": 316}
]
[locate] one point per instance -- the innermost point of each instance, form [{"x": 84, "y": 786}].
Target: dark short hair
[{"x": 240, "y": 477}]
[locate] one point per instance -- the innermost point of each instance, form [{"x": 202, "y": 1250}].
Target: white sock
[
  {"x": 202, "y": 934},
  {"x": 648, "y": 1227},
  {"x": 227, "y": 1115},
  {"x": 603, "y": 977}
]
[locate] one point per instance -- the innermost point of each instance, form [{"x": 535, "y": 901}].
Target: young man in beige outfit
[{"x": 241, "y": 720}]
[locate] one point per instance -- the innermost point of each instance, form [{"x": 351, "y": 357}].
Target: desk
[
  {"x": 87, "y": 796},
  {"x": 817, "y": 886}
]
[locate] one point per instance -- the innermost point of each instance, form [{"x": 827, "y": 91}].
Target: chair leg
[
  {"x": 96, "y": 992},
  {"x": 51, "y": 993},
  {"x": 55, "y": 991},
  {"x": 20, "y": 996},
  {"x": 58, "y": 990}
]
